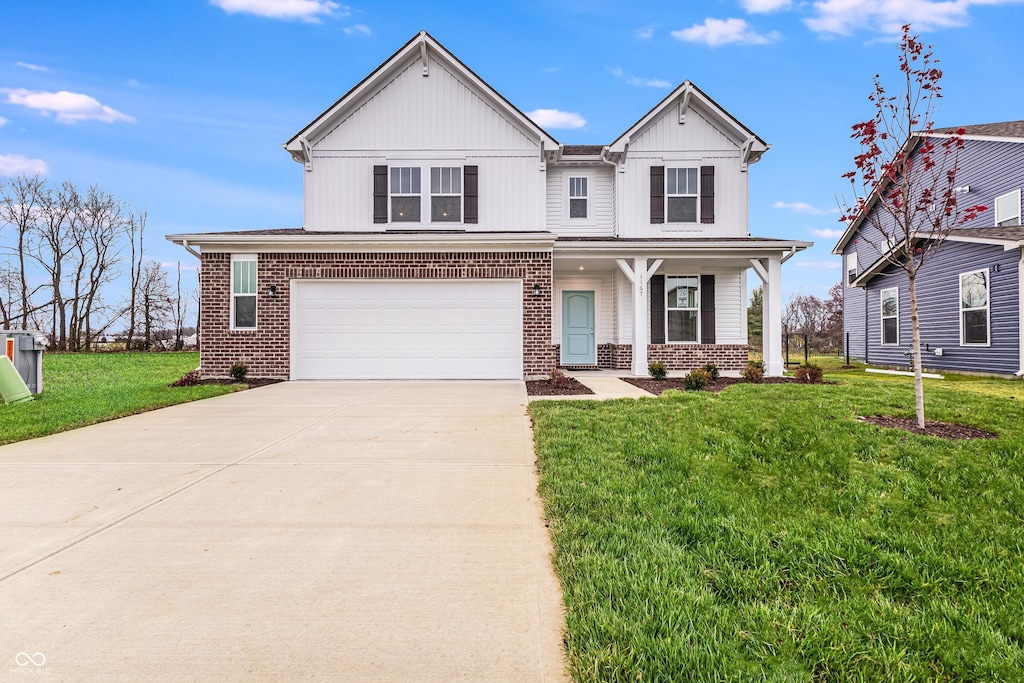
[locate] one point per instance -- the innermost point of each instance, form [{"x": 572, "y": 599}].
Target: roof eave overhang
[
  {"x": 370, "y": 242},
  {"x": 887, "y": 259},
  {"x": 679, "y": 249}
]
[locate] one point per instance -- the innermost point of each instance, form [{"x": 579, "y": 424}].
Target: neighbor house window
[
  {"x": 891, "y": 317},
  {"x": 243, "y": 292},
  {"x": 974, "y": 297},
  {"x": 405, "y": 194},
  {"x": 446, "y": 194},
  {"x": 851, "y": 268},
  {"x": 578, "y": 196},
  {"x": 681, "y": 308},
  {"x": 681, "y": 195},
  {"x": 1008, "y": 208}
]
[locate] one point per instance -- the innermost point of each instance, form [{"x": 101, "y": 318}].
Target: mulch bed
[
  {"x": 249, "y": 382},
  {"x": 657, "y": 386},
  {"x": 563, "y": 386},
  {"x": 945, "y": 430}
]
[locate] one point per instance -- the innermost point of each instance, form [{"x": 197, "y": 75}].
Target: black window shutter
[
  {"x": 707, "y": 194},
  {"x": 657, "y": 290},
  {"x": 380, "y": 194},
  {"x": 657, "y": 194},
  {"x": 707, "y": 309},
  {"x": 469, "y": 198}
]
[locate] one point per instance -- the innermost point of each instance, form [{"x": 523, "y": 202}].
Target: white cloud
[
  {"x": 827, "y": 233},
  {"x": 3, "y": 122},
  {"x": 842, "y": 17},
  {"x": 764, "y": 6},
  {"x": 357, "y": 29},
  {"x": 551, "y": 69},
  {"x": 803, "y": 207},
  {"x": 70, "y": 107},
  {"x": 718, "y": 32},
  {"x": 820, "y": 265},
  {"x": 555, "y": 118},
  {"x": 134, "y": 83},
  {"x": 304, "y": 10},
  {"x": 15, "y": 164},
  {"x": 642, "y": 82},
  {"x": 31, "y": 67},
  {"x": 645, "y": 33}
]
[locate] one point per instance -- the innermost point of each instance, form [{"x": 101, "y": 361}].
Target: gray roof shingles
[
  {"x": 1005, "y": 129},
  {"x": 581, "y": 150}
]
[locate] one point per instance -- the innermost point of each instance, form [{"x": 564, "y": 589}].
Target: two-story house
[
  {"x": 969, "y": 292},
  {"x": 447, "y": 235}
]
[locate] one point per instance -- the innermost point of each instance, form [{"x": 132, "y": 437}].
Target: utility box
[{"x": 25, "y": 349}]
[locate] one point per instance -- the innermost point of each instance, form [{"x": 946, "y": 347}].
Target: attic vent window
[{"x": 1008, "y": 209}]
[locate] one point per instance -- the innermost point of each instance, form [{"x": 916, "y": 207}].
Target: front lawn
[
  {"x": 764, "y": 534},
  {"x": 81, "y": 389}
]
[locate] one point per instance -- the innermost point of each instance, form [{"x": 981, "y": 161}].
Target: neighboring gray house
[{"x": 969, "y": 292}]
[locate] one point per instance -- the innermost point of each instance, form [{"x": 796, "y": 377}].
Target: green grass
[
  {"x": 81, "y": 389},
  {"x": 764, "y": 534}
]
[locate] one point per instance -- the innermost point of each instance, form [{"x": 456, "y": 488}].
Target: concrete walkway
[
  {"x": 362, "y": 531},
  {"x": 606, "y": 385}
]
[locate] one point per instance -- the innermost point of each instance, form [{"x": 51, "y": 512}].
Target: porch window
[
  {"x": 974, "y": 308},
  {"x": 890, "y": 316},
  {"x": 446, "y": 194},
  {"x": 243, "y": 292},
  {"x": 578, "y": 196},
  {"x": 405, "y": 194},
  {"x": 851, "y": 268},
  {"x": 681, "y": 195},
  {"x": 1008, "y": 209},
  {"x": 682, "y": 308}
]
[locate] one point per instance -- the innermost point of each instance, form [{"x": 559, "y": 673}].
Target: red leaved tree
[{"x": 904, "y": 181}]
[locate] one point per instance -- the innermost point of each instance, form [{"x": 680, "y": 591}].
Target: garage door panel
[{"x": 386, "y": 329}]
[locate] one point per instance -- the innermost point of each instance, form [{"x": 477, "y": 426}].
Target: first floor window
[
  {"x": 681, "y": 308},
  {"x": 577, "y": 197},
  {"x": 243, "y": 292},
  {"x": 891, "y": 316},
  {"x": 446, "y": 194},
  {"x": 405, "y": 194},
  {"x": 974, "y": 307},
  {"x": 681, "y": 195}
]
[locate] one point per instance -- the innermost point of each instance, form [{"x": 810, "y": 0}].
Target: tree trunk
[{"x": 916, "y": 327}]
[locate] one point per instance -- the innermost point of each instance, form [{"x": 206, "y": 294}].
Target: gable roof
[
  {"x": 418, "y": 47},
  {"x": 688, "y": 92},
  {"x": 1005, "y": 129}
]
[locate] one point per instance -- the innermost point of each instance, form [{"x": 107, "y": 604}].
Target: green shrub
[
  {"x": 712, "y": 370},
  {"x": 238, "y": 371},
  {"x": 808, "y": 373},
  {"x": 759, "y": 364},
  {"x": 657, "y": 370},
  {"x": 753, "y": 373},
  {"x": 696, "y": 379}
]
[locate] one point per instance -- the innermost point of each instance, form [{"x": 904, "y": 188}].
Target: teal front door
[{"x": 578, "y": 328}]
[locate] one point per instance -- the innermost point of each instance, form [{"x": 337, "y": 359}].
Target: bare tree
[
  {"x": 135, "y": 228},
  {"x": 18, "y": 209},
  {"x": 154, "y": 301},
  {"x": 179, "y": 311},
  {"x": 100, "y": 225},
  {"x": 904, "y": 178},
  {"x": 53, "y": 243}
]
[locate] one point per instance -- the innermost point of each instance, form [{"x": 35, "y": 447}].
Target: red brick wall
[
  {"x": 266, "y": 349},
  {"x": 674, "y": 356}
]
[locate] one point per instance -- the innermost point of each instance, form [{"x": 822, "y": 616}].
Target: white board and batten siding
[
  {"x": 427, "y": 121},
  {"x": 407, "y": 329},
  {"x": 605, "y": 304},
  {"x": 600, "y": 221}
]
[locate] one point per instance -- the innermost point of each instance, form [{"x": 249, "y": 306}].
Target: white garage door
[{"x": 393, "y": 329}]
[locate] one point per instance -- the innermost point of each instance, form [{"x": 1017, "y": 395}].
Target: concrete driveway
[{"x": 338, "y": 530}]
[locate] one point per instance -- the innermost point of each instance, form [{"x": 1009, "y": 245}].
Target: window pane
[
  {"x": 245, "y": 311},
  {"x": 682, "y": 326},
  {"x": 1008, "y": 209},
  {"x": 396, "y": 179},
  {"x": 577, "y": 208},
  {"x": 435, "y": 181},
  {"x": 975, "y": 327},
  {"x": 682, "y": 209},
  {"x": 405, "y": 209},
  {"x": 244, "y": 277},
  {"x": 445, "y": 209},
  {"x": 456, "y": 174},
  {"x": 889, "y": 304},
  {"x": 890, "y": 331},
  {"x": 682, "y": 292},
  {"x": 973, "y": 290}
]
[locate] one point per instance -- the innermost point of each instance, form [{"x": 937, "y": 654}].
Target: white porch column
[
  {"x": 639, "y": 275},
  {"x": 770, "y": 272}
]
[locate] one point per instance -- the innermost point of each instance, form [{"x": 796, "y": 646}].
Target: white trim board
[{"x": 903, "y": 373}]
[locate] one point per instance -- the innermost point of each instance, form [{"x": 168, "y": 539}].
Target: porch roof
[{"x": 676, "y": 247}]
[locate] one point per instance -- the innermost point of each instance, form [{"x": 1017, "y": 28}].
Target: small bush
[
  {"x": 696, "y": 379},
  {"x": 189, "y": 379},
  {"x": 753, "y": 373},
  {"x": 759, "y": 364},
  {"x": 560, "y": 379},
  {"x": 657, "y": 370},
  {"x": 808, "y": 373},
  {"x": 712, "y": 370},
  {"x": 238, "y": 371}
]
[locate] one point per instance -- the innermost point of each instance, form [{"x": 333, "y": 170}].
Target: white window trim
[
  {"x": 882, "y": 317},
  {"x": 425, "y": 194},
  {"x": 995, "y": 204},
  {"x": 590, "y": 198},
  {"x": 231, "y": 285},
  {"x": 697, "y": 309},
  {"x": 851, "y": 264},
  {"x": 696, "y": 195},
  {"x": 987, "y": 308}
]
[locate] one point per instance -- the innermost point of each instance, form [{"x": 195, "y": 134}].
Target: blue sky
[{"x": 181, "y": 107}]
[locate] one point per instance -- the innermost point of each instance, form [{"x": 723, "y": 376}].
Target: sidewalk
[{"x": 606, "y": 385}]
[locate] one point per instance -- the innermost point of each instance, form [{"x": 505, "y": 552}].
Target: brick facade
[
  {"x": 266, "y": 350},
  {"x": 674, "y": 356}
]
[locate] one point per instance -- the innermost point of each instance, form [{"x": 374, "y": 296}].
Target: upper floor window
[
  {"x": 405, "y": 194},
  {"x": 974, "y": 314},
  {"x": 681, "y": 195},
  {"x": 682, "y": 308},
  {"x": 243, "y": 291},
  {"x": 446, "y": 194},
  {"x": 578, "y": 196},
  {"x": 890, "y": 299},
  {"x": 1008, "y": 208},
  {"x": 851, "y": 268}
]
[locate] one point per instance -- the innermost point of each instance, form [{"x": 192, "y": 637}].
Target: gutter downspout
[
  {"x": 791, "y": 254},
  {"x": 190, "y": 250},
  {"x": 618, "y": 186}
]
